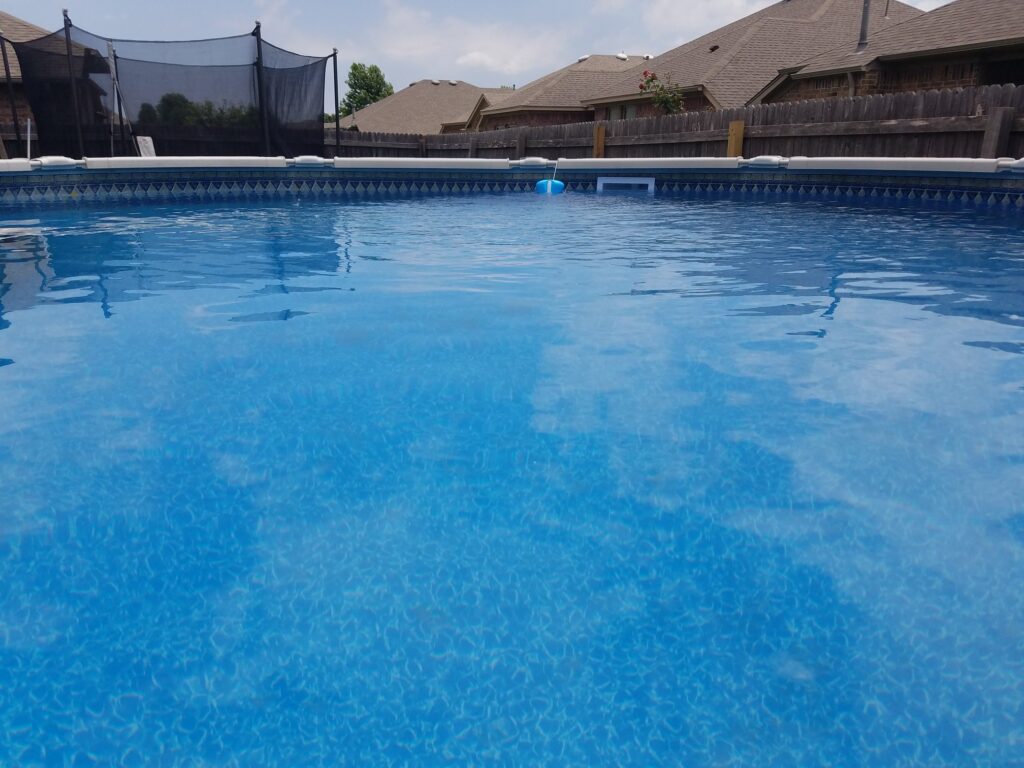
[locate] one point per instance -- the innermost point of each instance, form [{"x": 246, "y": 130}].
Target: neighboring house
[
  {"x": 557, "y": 98},
  {"x": 732, "y": 65},
  {"x": 19, "y": 31},
  {"x": 424, "y": 108},
  {"x": 471, "y": 120},
  {"x": 968, "y": 42}
]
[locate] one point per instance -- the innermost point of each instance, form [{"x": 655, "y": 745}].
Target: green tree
[
  {"x": 366, "y": 85},
  {"x": 176, "y": 109},
  {"x": 148, "y": 115}
]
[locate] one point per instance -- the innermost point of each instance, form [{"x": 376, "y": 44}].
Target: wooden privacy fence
[{"x": 985, "y": 121}]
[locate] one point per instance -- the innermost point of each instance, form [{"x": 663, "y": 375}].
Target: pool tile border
[{"x": 77, "y": 186}]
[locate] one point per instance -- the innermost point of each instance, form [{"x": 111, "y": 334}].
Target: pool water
[{"x": 511, "y": 480}]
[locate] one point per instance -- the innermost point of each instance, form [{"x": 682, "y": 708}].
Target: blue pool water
[{"x": 511, "y": 481}]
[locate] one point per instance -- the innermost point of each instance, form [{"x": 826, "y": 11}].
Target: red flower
[
  {"x": 647, "y": 73},
  {"x": 641, "y": 86}
]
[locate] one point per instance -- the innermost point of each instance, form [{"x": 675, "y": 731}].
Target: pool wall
[{"x": 59, "y": 180}]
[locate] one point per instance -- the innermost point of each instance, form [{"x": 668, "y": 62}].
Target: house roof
[
  {"x": 421, "y": 108},
  {"x": 733, "y": 63},
  {"x": 19, "y": 31},
  {"x": 567, "y": 88},
  {"x": 960, "y": 26},
  {"x": 491, "y": 97}
]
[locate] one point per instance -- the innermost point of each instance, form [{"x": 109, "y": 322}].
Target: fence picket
[{"x": 947, "y": 123}]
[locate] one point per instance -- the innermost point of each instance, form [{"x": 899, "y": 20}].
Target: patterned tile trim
[
  {"x": 166, "y": 190},
  {"x": 35, "y": 189}
]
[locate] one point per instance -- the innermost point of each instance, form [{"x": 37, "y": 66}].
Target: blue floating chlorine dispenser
[{"x": 550, "y": 186}]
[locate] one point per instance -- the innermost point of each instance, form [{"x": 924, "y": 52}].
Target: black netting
[
  {"x": 200, "y": 97},
  {"x": 193, "y": 110},
  {"x": 295, "y": 105},
  {"x": 51, "y": 86}
]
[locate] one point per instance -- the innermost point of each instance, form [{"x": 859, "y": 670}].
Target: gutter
[{"x": 528, "y": 108}]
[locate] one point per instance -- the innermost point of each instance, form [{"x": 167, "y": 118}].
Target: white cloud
[
  {"x": 285, "y": 25},
  {"x": 610, "y": 6},
  {"x": 674, "y": 22},
  {"x": 437, "y": 45}
]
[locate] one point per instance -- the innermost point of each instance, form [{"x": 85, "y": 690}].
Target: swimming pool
[{"x": 511, "y": 480}]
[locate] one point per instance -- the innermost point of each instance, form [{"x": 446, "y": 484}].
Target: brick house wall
[
  {"x": 900, "y": 77},
  {"x": 811, "y": 88},
  {"x": 24, "y": 113},
  {"x": 954, "y": 73},
  {"x": 532, "y": 119},
  {"x": 692, "y": 102}
]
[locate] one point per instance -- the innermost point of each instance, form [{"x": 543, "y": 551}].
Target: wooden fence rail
[{"x": 985, "y": 121}]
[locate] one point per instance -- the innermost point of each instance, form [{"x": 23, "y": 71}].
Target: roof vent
[
  {"x": 583, "y": 58},
  {"x": 412, "y": 84},
  {"x": 621, "y": 56},
  {"x": 435, "y": 82},
  {"x": 453, "y": 82},
  {"x": 713, "y": 48},
  {"x": 865, "y": 24},
  {"x": 648, "y": 57}
]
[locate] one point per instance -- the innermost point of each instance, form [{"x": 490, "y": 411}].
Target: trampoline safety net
[{"x": 227, "y": 96}]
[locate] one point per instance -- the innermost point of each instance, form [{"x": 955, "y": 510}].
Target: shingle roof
[
  {"x": 734, "y": 63},
  {"x": 19, "y": 31},
  {"x": 421, "y": 108},
  {"x": 491, "y": 97},
  {"x": 566, "y": 88},
  {"x": 961, "y": 25}
]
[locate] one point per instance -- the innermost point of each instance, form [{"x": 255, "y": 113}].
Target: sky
[{"x": 485, "y": 43}]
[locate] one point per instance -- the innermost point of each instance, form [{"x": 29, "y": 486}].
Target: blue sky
[{"x": 484, "y": 43}]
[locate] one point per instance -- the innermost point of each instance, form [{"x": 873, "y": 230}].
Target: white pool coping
[
  {"x": 124, "y": 163},
  {"x": 417, "y": 163},
  {"x": 845, "y": 165}
]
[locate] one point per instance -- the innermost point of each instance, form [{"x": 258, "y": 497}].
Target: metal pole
[
  {"x": 122, "y": 113},
  {"x": 262, "y": 89},
  {"x": 117, "y": 96},
  {"x": 337, "y": 108},
  {"x": 71, "y": 83},
  {"x": 10, "y": 96},
  {"x": 113, "y": 83}
]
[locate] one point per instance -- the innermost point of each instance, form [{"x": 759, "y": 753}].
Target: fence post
[
  {"x": 472, "y": 148},
  {"x": 521, "y": 144},
  {"x": 599, "y": 133},
  {"x": 735, "y": 146},
  {"x": 423, "y": 146},
  {"x": 996, "y": 140}
]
